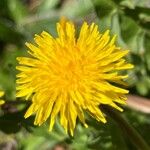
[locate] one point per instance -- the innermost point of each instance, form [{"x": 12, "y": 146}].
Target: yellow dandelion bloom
[
  {"x": 1, "y": 101},
  {"x": 67, "y": 76}
]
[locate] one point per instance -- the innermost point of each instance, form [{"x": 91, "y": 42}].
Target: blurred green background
[{"x": 21, "y": 19}]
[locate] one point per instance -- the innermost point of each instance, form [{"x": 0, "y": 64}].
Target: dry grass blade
[{"x": 139, "y": 103}]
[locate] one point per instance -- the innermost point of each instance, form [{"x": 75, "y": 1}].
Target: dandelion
[
  {"x": 1, "y": 101},
  {"x": 68, "y": 76}
]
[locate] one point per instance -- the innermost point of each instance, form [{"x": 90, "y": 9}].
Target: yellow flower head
[
  {"x": 1, "y": 101},
  {"x": 67, "y": 75}
]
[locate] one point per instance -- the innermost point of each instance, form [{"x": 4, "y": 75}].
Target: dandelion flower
[
  {"x": 1, "y": 101},
  {"x": 67, "y": 76}
]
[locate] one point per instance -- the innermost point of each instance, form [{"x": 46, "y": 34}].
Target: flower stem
[{"x": 132, "y": 134}]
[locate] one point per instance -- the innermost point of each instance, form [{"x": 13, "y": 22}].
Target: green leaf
[
  {"x": 104, "y": 8},
  {"x": 132, "y": 34},
  {"x": 4, "y": 8},
  {"x": 47, "y": 5},
  {"x": 80, "y": 139},
  {"x": 116, "y": 29},
  {"x": 8, "y": 33},
  {"x": 17, "y": 9},
  {"x": 43, "y": 139},
  {"x": 37, "y": 26},
  {"x": 128, "y": 3},
  {"x": 141, "y": 3},
  {"x": 8, "y": 71},
  {"x": 147, "y": 54},
  {"x": 142, "y": 88},
  {"x": 140, "y": 15},
  {"x": 86, "y": 7}
]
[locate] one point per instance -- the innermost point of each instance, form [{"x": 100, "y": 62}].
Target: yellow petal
[
  {"x": 1, "y": 93},
  {"x": 2, "y": 102}
]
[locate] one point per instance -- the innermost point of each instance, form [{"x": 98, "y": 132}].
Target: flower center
[
  {"x": 72, "y": 69},
  {"x": 72, "y": 74}
]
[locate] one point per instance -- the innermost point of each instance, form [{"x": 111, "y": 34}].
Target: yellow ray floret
[
  {"x": 66, "y": 76},
  {"x": 1, "y": 101}
]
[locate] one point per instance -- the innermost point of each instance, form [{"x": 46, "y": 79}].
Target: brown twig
[{"x": 139, "y": 103}]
